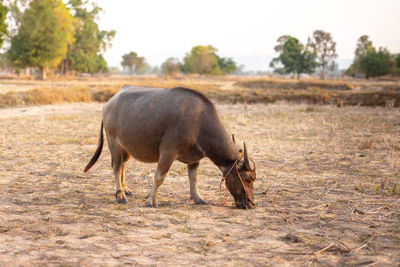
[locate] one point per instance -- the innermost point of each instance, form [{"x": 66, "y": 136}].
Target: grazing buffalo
[{"x": 164, "y": 125}]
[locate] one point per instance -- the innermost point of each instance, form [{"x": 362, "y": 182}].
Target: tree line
[
  {"x": 294, "y": 58},
  {"x": 201, "y": 59},
  {"x": 50, "y": 35},
  {"x": 319, "y": 55}
]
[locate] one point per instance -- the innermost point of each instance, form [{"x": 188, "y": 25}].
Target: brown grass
[
  {"x": 221, "y": 89},
  {"x": 327, "y": 193},
  {"x": 43, "y": 96},
  {"x": 294, "y": 84}
]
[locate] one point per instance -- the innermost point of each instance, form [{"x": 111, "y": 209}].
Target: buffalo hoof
[
  {"x": 127, "y": 191},
  {"x": 151, "y": 204},
  {"x": 120, "y": 196},
  {"x": 247, "y": 205},
  {"x": 201, "y": 202},
  {"x": 198, "y": 200}
]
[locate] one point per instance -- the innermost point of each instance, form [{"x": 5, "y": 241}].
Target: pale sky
[{"x": 245, "y": 30}]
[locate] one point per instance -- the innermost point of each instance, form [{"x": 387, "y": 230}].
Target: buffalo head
[{"x": 240, "y": 178}]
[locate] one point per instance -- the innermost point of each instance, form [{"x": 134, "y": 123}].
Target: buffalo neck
[
  {"x": 219, "y": 148},
  {"x": 215, "y": 142}
]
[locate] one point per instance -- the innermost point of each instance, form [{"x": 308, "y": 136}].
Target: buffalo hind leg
[
  {"x": 125, "y": 158},
  {"x": 117, "y": 153},
  {"x": 194, "y": 192},
  {"x": 163, "y": 166}
]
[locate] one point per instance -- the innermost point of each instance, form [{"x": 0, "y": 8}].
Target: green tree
[
  {"x": 363, "y": 45},
  {"x": 16, "y": 8},
  {"x": 369, "y": 61},
  {"x": 375, "y": 63},
  {"x": 396, "y": 68},
  {"x": 133, "y": 62},
  {"x": 281, "y": 42},
  {"x": 308, "y": 62},
  {"x": 171, "y": 66},
  {"x": 5, "y": 63},
  {"x": 227, "y": 65},
  {"x": 85, "y": 54},
  {"x": 43, "y": 36},
  {"x": 324, "y": 47},
  {"x": 294, "y": 57},
  {"x": 361, "y": 48},
  {"x": 3, "y": 25},
  {"x": 397, "y": 60},
  {"x": 202, "y": 60},
  {"x": 351, "y": 71}
]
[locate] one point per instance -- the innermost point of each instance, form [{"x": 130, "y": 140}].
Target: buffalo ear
[
  {"x": 248, "y": 162},
  {"x": 240, "y": 151}
]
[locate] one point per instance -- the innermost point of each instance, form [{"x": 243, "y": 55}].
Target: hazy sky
[{"x": 245, "y": 30}]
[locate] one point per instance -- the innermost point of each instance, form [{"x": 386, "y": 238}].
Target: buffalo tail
[{"x": 98, "y": 151}]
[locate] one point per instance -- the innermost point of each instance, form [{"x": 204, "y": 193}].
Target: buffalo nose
[{"x": 244, "y": 204}]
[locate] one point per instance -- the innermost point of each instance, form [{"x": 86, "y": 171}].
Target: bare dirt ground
[{"x": 327, "y": 193}]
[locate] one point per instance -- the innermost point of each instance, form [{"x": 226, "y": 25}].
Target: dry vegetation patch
[
  {"x": 221, "y": 89},
  {"x": 327, "y": 193},
  {"x": 295, "y": 84}
]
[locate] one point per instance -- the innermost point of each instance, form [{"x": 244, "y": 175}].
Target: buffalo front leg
[
  {"x": 194, "y": 192},
  {"x": 163, "y": 166}
]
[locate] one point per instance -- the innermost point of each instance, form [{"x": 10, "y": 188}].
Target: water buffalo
[{"x": 164, "y": 125}]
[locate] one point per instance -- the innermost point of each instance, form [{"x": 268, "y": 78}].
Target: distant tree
[
  {"x": 16, "y": 8},
  {"x": 375, "y": 63},
  {"x": 227, "y": 65},
  {"x": 308, "y": 62},
  {"x": 133, "y": 62},
  {"x": 5, "y": 63},
  {"x": 43, "y": 36},
  {"x": 171, "y": 66},
  {"x": 363, "y": 45},
  {"x": 202, "y": 60},
  {"x": 146, "y": 69},
  {"x": 294, "y": 57},
  {"x": 371, "y": 62},
  {"x": 3, "y": 25},
  {"x": 324, "y": 47},
  {"x": 281, "y": 42},
  {"x": 396, "y": 68},
  {"x": 350, "y": 71},
  {"x": 85, "y": 54},
  {"x": 100, "y": 65},
  {"x": 397, "y": 60},
  {"x": 279, "y": 71},
  {"x": 240, "y": 69}
]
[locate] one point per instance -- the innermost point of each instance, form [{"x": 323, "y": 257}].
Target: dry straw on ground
[
  {"x": 327, "y": 193},
  {"x": 222, "y": 89}
]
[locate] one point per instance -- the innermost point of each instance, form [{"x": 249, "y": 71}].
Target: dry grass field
[
  {"x": 327, "y": 192},
  {"x": 236, "y": 89}
]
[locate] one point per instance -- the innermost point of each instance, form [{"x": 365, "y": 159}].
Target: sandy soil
[{"x": 327, "y": 193}]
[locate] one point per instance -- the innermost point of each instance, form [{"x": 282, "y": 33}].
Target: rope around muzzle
[{"x": 246, "y": 189}]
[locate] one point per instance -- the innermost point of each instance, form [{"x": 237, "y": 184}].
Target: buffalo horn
[{"x": 247, "y": 160}]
